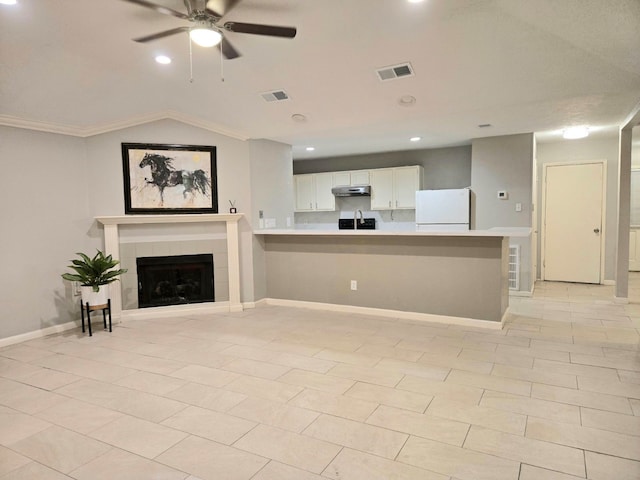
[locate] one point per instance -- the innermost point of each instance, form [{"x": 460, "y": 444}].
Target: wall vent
[
  {"x": 514, "y": 267},
  {"x": 395, "y": 71},
  {"x": 275, "y": 96}
]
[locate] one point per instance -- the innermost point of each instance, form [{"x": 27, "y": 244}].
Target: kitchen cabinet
[
  {"x": 355, "y": 178},
  {"x": 395, "y": 188},
  {"x": 313, "y": 192}
]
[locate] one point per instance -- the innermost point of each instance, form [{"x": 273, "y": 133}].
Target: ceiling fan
[{"x": 207, "y": 29}]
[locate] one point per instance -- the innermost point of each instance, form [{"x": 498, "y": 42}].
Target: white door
[
  {"x": 573, "y": 197},
  {"x": 634, "y": 249},
  {"x": 634, "y": 230}
]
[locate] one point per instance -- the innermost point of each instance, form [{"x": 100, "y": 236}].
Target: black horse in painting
[{"x": 164, "y": 175}]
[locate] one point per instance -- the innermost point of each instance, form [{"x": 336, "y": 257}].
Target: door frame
[{"x": 603, "y": 229}]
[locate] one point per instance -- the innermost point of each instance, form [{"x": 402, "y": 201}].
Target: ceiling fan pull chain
[
  {"x": 190, "y": 60},
  {"x": 221, "y": 63}
]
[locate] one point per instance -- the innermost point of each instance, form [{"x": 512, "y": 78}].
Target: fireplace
[{"x": 175, "y": 280}]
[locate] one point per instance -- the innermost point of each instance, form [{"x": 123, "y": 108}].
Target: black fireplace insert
[{"x": 175, "y": 280}]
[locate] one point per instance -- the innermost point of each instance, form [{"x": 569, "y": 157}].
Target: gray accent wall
[
  {"x": 443, "y": 167},
  {"x": 453, "y": 276},
  {"x": 601, "y": 147}
]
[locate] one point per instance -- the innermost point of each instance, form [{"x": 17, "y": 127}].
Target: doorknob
[{"x": 596, "y": 230}]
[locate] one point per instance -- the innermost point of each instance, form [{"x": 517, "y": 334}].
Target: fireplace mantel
[{"x": 112, "y": 247}]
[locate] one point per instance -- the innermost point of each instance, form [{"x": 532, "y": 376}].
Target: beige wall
[
  {"x": 59, "y": 183},
  {"x": 505, "y": 163},
  {"x": 45, "y": 215},
  {"x": 453, "y": 276}
]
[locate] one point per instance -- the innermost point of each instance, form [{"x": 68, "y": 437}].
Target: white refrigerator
[{"x": 443, "y": 210}]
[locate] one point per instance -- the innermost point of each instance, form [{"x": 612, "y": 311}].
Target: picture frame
[{"x": 174, "y": 179}]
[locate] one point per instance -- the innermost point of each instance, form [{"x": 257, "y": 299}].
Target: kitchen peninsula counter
[{"x": 453, "y": 277}]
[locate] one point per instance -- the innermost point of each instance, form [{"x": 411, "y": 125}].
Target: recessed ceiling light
[
  {"x": 573, "y": 133},
  {"x": 298, "y": 117},
  {"x": 415, "y": 1},
  {"x": 415, "y": 139},
  {"x": 484, "y": 125},
  {"x": 407, "y": 100},
  {"x": 310, "y": 149},
  {"x": 163, "y": 59},
  {"x": 8, "y": 2}
]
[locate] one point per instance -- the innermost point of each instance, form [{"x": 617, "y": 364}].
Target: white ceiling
[{"x": 520, "y": 65}]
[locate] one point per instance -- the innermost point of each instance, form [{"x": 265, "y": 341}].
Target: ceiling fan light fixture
[
  {"x": 573, "y": 133},
  {"x": 8, "y": 2},
  {"x": 205, "y": 37}
]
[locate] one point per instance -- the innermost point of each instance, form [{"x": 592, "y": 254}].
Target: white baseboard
[
  {"x": 176, "y": 310},
  {"x": 621, "y": 300},
  {"x": 43, "y": 332},
  {"x": 521, "y": 293},
  {"x": 380, "y": 312}
]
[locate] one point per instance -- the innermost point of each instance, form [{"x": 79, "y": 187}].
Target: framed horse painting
[{"x": 169, "y": 178}]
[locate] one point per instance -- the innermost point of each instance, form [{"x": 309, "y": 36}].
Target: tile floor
[{"x": 291, "y": 394}]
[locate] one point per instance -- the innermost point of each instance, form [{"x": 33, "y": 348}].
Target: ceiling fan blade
[
  {"x": 257, "y": 29},
  {"x": 166, "y": 33},
  {"x": 227, "y": 49},
  {"x": 159, "y": 8},
  {"x": 220, "y": 8}
]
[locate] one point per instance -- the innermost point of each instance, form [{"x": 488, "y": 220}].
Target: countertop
[{"x": 492, "y": 232}]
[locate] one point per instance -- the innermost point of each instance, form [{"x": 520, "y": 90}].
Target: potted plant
[{"x": 94, "y": 275}]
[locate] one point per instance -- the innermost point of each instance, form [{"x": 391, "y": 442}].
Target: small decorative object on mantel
[
  {"x": 161, "y": 179},
  {"x": 94, "y": 275},
  {"x": 233, "y": 208}
]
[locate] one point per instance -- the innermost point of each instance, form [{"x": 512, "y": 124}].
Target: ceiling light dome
[
  {"x": 205, "y": 36},
  {"x": 573, "y": 133}
]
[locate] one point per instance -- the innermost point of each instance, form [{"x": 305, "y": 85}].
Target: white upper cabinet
[
  {"x": 313, "y": 192},
  {"x": 407, "y": 180},
  {"x": 395, "y": 188},
  {"x": 325, "y": 200},
  {"x": 391, "y": 188},
  {"x": 341, "y": 179},
  {"x": 382, "y": 189},
  {"x": 355, "y": 178},
  {"x": 304, "y": 192}
]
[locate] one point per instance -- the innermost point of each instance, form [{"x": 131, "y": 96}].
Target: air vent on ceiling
[
  {"x": 395, "y": 71},
  {"x": 275, "y": 96}
]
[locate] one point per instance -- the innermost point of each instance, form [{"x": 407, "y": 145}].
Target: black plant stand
[{"x": 89, "y": 308}]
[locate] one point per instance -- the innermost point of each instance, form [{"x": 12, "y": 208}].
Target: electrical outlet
[
  {"x": 354, "y": 285},
  {"x": 288, "y": 221},
  {"x": 270, "y": 223},
  {"x": 75, "y": 289},
  {"x": 518, "y": 207}
]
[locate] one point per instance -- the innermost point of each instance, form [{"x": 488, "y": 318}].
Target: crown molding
[{"x": 84, "y": 132}]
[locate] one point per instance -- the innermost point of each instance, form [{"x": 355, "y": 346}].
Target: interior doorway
[{"x": 573, "y": 221}]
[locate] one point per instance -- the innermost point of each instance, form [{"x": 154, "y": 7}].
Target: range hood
[{"x": 364, "y": 191}]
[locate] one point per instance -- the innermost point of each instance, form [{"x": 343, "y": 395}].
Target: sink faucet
[{"x": 355, "y": 218}]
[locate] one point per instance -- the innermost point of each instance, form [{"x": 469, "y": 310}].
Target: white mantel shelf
[{"x": 112, "y": 246}]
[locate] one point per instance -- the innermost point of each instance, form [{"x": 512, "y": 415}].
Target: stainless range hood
[{"x": 364, "y": 191}]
